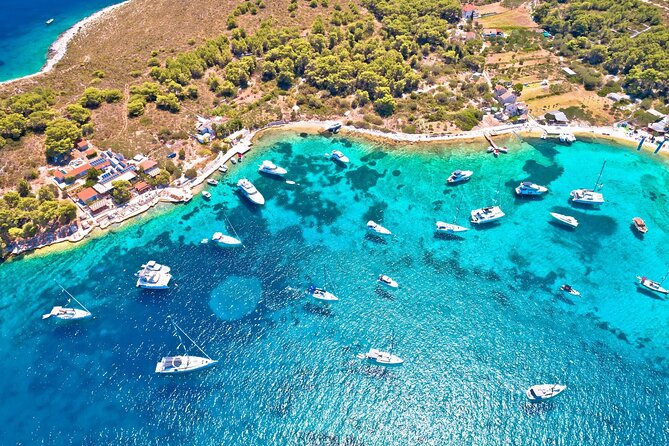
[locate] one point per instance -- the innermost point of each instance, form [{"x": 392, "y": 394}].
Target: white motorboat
[
  {"x": 566, "y": 138},
  {"x": 66, "y": 313},
  {"x": 530, "y": 189},
  {"x": 377, "y": 229},
  {"x": 250, "y": 192},
  {"x": 225, "y": 240},
  {"x": 589, "y": 196},
  {"x": 652, "y": 285},
  {"x": 153, "y": 276},
  {"x": 486, "y": 215},
  {"x": 223, "y": 168},
  {"x": 543, "y": 392},
  {"x": 206, "y": 194},
  {"x": 184, "y": 363},
  {"x": 387, "y": 281},
  {"x": 381, "y": 358},
  {"x": 49, "y": 22},
  {"x": 270, "y": 168},
  {"x": 640, "y": 225},
  {"x": 233, "y": 160},
  {"x": 339, "y": 157},
  {"x": 565, "y": 219},
  {"x": 212, "y": 182},
  {"x": 321, "y": 294},
  {"x": 458, "y": 176},
  {"x": 450, "y": 228},
  {"x": 569, "y": 290}
]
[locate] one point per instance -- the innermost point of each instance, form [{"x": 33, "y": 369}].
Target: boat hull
[
  {"x": 652, "y": 285},
  {"x": 544, "y": 392},
  {"x": 486, "y": 215},
  {"x": 565, "y": 220},
  {"x": 586, "y": 196},
  {"x": 450, "y": 228},
  {"x": 183, "y": 364},
  {"x": 67, "y": 314}
]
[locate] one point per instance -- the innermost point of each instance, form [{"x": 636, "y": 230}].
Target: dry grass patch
[
  {"x": 512, "y": 19},
  {"x": 578, "y": 97}
]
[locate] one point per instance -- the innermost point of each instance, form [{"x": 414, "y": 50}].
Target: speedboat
[
  {"x": 486, "y": 215},
  {"x": 153, "y": 276},
  {"x": 450, "y": 227},
  {"x": 212, "y": 181},
  {"x": 272, "y": 169},
  {"x": 223, "y": 168},
  {"x": 338, "y": 156},
  {"x": 652, "y": 285},
  {"x": 458, "y": 176},
  {"x": 586, "y": 196},
  {"x": 183, "y": 364},
  {"x": 387, "y": 281},
  {"x": 565, "y": 219},
  {"x": 543, "y": 392},
  {"x": 381, "y": 358},
  {"x": 566, "y": 138},
  {"x": 206, "y": 194},
  {"x": 321, "y": 294},
  {"x": 529, "y": 188},
  {"x": 225, "y": 240},
  {"x": 377, "y": 229},
  {"x": 569, "y": 290},
  {"x": 250, "y": 191},
  {"x": 640, "y": 225}
]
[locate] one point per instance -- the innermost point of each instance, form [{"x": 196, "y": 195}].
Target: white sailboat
[
  {"x": 565, "y": 219},
  {"x": 589, "y": 196},
  {"x": 66, "y": 313},
  {"x": 227, "y": 241},
  {"x": 322, "y": 293},
  {"x": 377, "y": 229},
  {"x": 570, "y": 290},
  {"x": 543, "y": 392},
  {"x": 652, "y": 285},
  {"x": 451, "y": 228},
  {"x": 184, "y": 363},
  {"x": 381, "y": 358}
]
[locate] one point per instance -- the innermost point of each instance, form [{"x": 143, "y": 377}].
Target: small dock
[{"x": 490, "y": 141}]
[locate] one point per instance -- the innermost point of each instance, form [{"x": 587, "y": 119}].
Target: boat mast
[
  {"x": 597, "y": 184},
  {"x": 189, "y": 338},
  {"x": 457, "y": 210},
  {"x": 234, "y": 230},
  {"x": 71, "y": 296},
  {"x": 664, "y": 278}
]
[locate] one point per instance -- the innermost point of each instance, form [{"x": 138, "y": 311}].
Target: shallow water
[{"x": 477, "y": 318}]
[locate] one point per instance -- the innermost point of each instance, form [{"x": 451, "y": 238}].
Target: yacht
[
  {"x": 321, "y": 294},
  {"x": 458, "y": 176},
  {"x": 569, "y": 290},
  {"x": 223, "y": 168},
  {"x": 206, "y": 194},
  {"x": 377, "y": 229},
  {"x": 270, "y": 168},
  {"x": 589, "y": 196},
  {"x": 530, "y": 189},
  {"x": 338, "y": 156},
  {"x": 66, "y": 313},
  {"x": 640, "y": 225},
  {"x": 250, "y": 191},
  {"x": 566, "y": 138},
  {"x": 652, "y": 285},
  {"x": 184, "y": 363},
  {"x": 543, "y": 392},
  {"x": 486, "y": 215},
  {"x": 212, "y": 182},
  {"x": 153, "y": 276},
  {"x": 225, "y": 240},
  {"x": 450, "y": 227},
  {"x": 387, "y": 281},
  {"x": 49, "y": 22},
  {"x": 381, "y": 358},
  {"x": 565, "y": 219}
]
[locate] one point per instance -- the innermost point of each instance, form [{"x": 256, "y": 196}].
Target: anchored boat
[
  {"x": 270, "y": 168},
  {"x": 569, "y": 290},
  {"x": 486, "y": 215},
  {"x": 527, "y": 188},
  {"x": 250, "y": 192},
  {"x": 184, "y": 363},
  {"x": 381, "y": 358},
  {"x": 387, "y": 281},
  {"x": 543, "y": 392},
  {"x": 652, "y": 285},
  {"x": 565, "y": 219},
  {"x": 339, "y": 157},
  {"x": 640, "y": 225},
  {"x": 66, "y": 313},
  {"x": 377, "y": 229},
  {"x": 322, "y": 293},
  {"x": 459, "y": 176},
  {"x": 153, "y": 276},
  {"x": 589, "y": 196}
]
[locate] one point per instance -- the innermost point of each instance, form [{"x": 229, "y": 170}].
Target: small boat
[
  {"x": 543, "y": 392},
  {"x": 66, "y": 313},
  {"x": 544, "y": 136},
  {"x": 450, "y": 227},
  {"x": 377, "y": 229},
  {"x": 212, "y": 182},
  {"x": 381, "y": 358},
  {"x": 387, "y": 281},
  {"x": 322, "y": 293},
  {"x": 458, "y": 176},
  {"x": 339, "y": 157},
  {"x": 486, "y": 215},
  {"x": 153, "y": 276},
  {"x": 225, "y": 240},
  {"x": 233, "y": 160},
  {"x": 566, "y": 138},
  {"x": 250, "y": 191},
  {"x": 504, "y": 149},
  {"x": 49, "y": 22},
  {"x": 270, "y": 168},
  {"x": 640, "y": 225},
  {"x": 569, "y": 290},
  {"x": 565, "y": 219},
  {"x": 206, "y": 194},
  {"x": 223, "y": 168},
  {"x": 652, "y": 285},
  {"x": 529, "y": 188},
  {"x": 589, "y": 196},
  {"x": 184, "y": 363},
  {"x": 334, "y": 128}
]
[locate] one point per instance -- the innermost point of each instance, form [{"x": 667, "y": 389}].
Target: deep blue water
[
  {"x": 24, "y": 36},
  {"x": 477, "y": 318}
]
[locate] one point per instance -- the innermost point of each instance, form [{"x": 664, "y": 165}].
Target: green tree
[
  {"x": 45, "y": 194},
  {"x": 78, "y": 113},
  {"x": 190, "y": 173},
  {"x": 92, "y": 97},
  {"x": 61, "y": 135},
  {"x": 385, "y": 105},
  {"x": 121, "y": 192},
  {"x": 23, "y": 188},
  {"x": 29, "y": 229}
]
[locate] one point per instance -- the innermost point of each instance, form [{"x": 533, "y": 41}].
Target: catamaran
[
  {"x": 543, "y": 392},
  {"x": 339, "y": 157},
  {"x": 184, "y": 363},
  {"x": 153, "y": 276},
  {"x": 66, "y": 313},
  {"x": 452, "y": 227},
  {"x": 270, "y": 168},
  {"x": 486, "y": 215},
  {"x": 458, "y": 176},
  {"x": 377, "y": 229},
  {"x": 381, "y": 358},
  {"x": 565, "y": 219},
  {"x": 250, "y": 192},
  {"x": 589, "y": 196},
  {"x": 387, "y": 281},
  {"x": 652, "y": 285},
  {"x": 640, "y": 225},
  {"x": 566, "y": 138},
  {"x": 322, "y": 293},
  {"x": 528, "y": 188}
]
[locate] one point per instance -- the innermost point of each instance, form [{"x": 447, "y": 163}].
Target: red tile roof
[
  {"x": 82, "y": 144},
  {"x": 87, "y": 194},
  {"x": 79, "y": 170},
  {"x": 141, "y": 186},
  {"x": 468, "y": 8},
  {"x": 147, "y": 165}
]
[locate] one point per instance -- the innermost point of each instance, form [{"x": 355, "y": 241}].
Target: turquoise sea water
[
  {"x": 24, "y": 36},
  {"x": 477, "y": 318}
]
